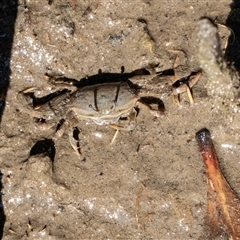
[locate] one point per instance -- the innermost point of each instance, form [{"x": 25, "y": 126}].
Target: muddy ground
[{"x": 150, "y": 184}]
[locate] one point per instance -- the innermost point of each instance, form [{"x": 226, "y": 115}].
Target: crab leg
[
  {"x": 75, "y": 142},
  {"x": 186, "y": 87},
  {"x": 70, "y": 123},
  {"x": 131, "y": 125},
  {"x": 114, "y": 137}
]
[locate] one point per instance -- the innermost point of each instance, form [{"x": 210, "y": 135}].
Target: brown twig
[
  {"x": 141, "y": 219},
  {"x": 223, "y": 203},
  {"x": 73, "y": 3},
  {"x": 137, "y": 203}
]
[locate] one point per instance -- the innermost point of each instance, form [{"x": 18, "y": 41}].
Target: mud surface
[{"x": 150, "y": 183}]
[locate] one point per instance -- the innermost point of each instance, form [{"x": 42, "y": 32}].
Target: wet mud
[{"x": 149, "y": 184}]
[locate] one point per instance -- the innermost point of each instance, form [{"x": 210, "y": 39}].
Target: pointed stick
[{"x": 223, "y": 203}]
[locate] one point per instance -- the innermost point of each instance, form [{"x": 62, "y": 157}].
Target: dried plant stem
[{"x": 223, "y": 203}]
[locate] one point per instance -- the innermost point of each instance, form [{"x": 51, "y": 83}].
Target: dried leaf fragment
[{"x": 223, "y": 203}]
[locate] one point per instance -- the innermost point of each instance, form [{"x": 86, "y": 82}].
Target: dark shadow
[
  {"x": 100, "y": 77},
  {"x": 45, "y": 146},
  {"x": 233, "y": 21},
  {"x": 2, "y": 215},
  {"x": 153, "y": 103},
  {"x": 8, "y": 14}
]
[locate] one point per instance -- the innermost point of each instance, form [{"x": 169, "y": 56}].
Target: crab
[{"x": 105, "y": 98}]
